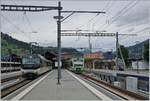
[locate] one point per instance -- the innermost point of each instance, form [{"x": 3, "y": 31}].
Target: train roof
[
  {"x": 37, "y": 56},
  {"x": 43, "y": 58}
]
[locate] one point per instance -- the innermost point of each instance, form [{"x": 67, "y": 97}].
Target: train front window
[{"x": 32, "y": 63}]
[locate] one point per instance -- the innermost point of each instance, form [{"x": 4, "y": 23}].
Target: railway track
[
  {"x": 127, "y": 95},
  {"x": 8, "y": 71},
  {"x": 10, "y": 78},
  {"x": 12, "y": 88}
]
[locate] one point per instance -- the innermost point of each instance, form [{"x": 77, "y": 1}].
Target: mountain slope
[{"x": 9, "y": 45}]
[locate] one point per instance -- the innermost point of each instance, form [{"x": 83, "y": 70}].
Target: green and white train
[{"x": 77, "y": 65}]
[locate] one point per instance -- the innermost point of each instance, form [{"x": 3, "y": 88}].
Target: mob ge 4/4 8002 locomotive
[{"x": 35, "y": 65}]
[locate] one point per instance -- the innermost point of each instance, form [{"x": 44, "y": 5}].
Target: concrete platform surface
[{"x": 70, "y": 89}]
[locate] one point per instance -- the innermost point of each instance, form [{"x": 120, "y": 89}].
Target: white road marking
[
  {"x": 92, "y": 89},
  {"x": 23, "y": 93}
]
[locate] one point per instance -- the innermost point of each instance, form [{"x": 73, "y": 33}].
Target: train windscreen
[{"x": 30, "y": 63}]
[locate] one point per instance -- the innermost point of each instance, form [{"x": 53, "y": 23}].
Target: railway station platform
[{"x": 71, "y": 88}]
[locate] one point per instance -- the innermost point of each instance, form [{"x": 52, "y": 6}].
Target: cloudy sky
[{"x": 123, "y": 16}]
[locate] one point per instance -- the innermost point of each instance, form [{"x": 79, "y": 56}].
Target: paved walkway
[{"x": 70, "y": 89}]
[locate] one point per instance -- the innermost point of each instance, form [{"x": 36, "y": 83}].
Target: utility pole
[
  {"x": 117, "y": 43},
  {"x": 59, "y": 41},
  {"x": 59, "y": 17},
  {"x": 90, "y": 45}
]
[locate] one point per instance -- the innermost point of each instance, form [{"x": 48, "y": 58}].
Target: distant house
[
  {"x": 91, "y": 57},
  {"x": 50, "y": 56},
  {"x": 66, "y": 56},
  {"x": 97, "y": 55}
]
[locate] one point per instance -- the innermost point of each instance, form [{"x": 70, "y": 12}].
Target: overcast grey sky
[{"x": 124, "y": 16}]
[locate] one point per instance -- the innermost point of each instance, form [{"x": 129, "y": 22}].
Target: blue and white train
[{"x": 35, "y": 65}]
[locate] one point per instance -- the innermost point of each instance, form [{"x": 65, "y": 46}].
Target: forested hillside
[{"x": 9, "y": 45}]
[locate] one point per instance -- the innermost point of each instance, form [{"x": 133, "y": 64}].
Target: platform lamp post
[{"x": 59, "y": 17}]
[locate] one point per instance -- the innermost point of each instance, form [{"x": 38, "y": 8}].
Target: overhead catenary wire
[
  {"x": 132, "y": 6},
  {"x": 106, "y": 9},
  {"x": 84, "y": 24},
  {"x": 15, "y": 26},
  {"x": 90, "y": 20},
  {"x": 125, "y": 10},
  {"x": 18, "y": 28},
  {"x": 122, "y": 12},
  {"x": 28, "y": 21},
  {"x": 146, "y": 28},
  {"x": 118, "y": 12}
]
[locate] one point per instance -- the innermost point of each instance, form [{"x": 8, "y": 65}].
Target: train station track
[
  {"x": 8, "y": 71},
  {"x": 124, "y": 94},
  {"x": 116, "y": 91},
  {"x": 10, "y": 78},
  {"x": 12, "y": 88}
]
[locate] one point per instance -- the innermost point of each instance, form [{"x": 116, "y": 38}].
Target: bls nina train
[
  {"x": 77, "y": 65},
  {"x": 35, "y": 65}
]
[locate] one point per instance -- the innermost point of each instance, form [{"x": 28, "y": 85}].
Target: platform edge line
[
  {"x": 92, "y": 89},
  {"x": 24, "y": 92}
]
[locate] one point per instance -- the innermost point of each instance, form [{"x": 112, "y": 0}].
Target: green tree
[
  {"x": 146, "y": 52},
  {"x": 125, "y": 54}
]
